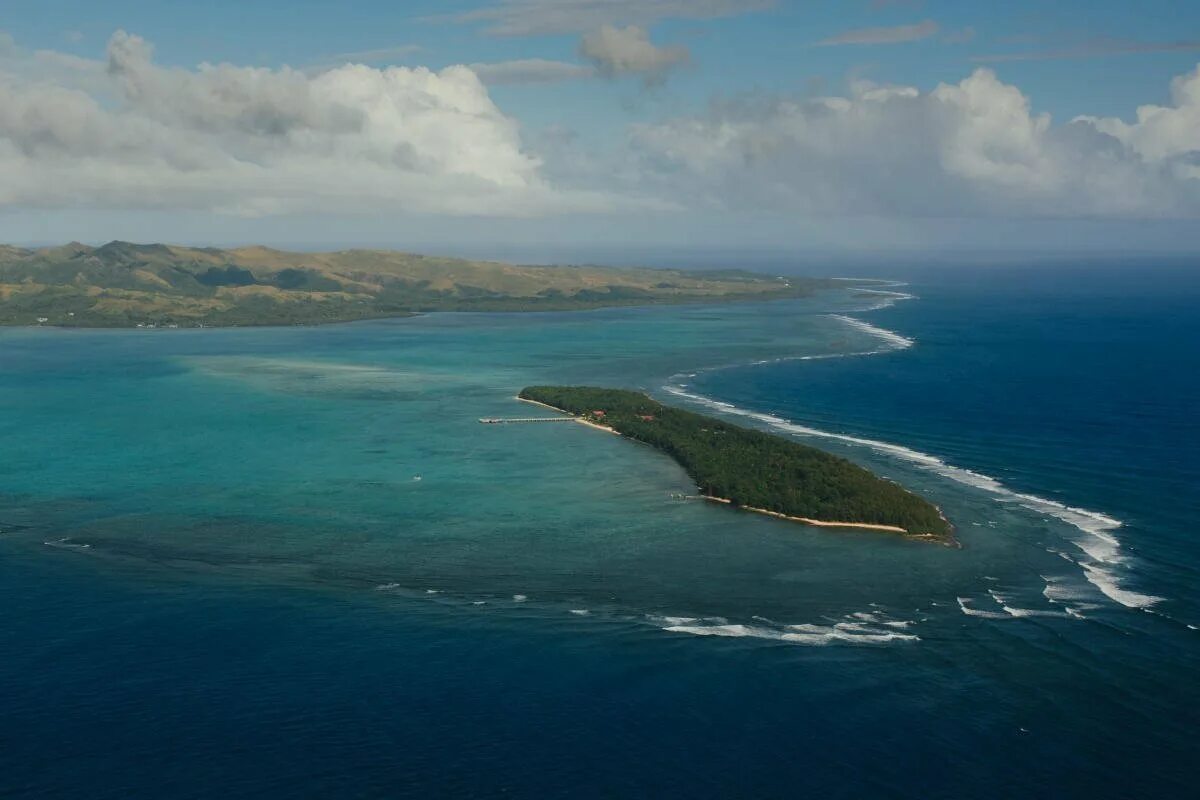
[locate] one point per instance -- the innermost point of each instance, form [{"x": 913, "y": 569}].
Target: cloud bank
[
  {"x": 971, "y": 149},
  {"x": 259, "y": 141},
  {"x": 129, "y": 133}
]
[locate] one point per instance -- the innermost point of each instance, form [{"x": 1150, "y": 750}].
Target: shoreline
[
  {"x": 161, "y": 323},
  {"x": 820, "y": 523},
  {"x": 949, "y": 541},
  {"x": 580, "y": 420}
]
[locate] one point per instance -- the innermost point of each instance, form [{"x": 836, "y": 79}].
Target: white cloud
[
  {"x": 262, "y": 141},
  {"x": 540, "y": 17},
  {"x": 969, "y": 149},
  {"x": 892, "y": 35},
  {"x": 1162, "y": 132},
  {"x": 127, "y": 133},
  {"x": 530, "y": 70},
  {"x": 629, "y": 51}
]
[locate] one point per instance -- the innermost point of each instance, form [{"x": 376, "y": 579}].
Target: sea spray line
[
  {"x": 891, "y": 337},
  {"x": 888, "y": 300},
  {"x": 859, "y": 324},
  {"x": 1103, "y": 548},
  {"x": 1005, "y": 603},
  {"x": 975, "y": 612},
  {"x": 854, "y": 629},
  {"x": 862, "y": 628}
]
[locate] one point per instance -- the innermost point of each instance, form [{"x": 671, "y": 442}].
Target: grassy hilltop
[{"x": 124, "y": 284}]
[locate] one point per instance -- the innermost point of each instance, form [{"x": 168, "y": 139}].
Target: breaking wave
[
  {"x": 855, "y": 629},
  {"x": 1101, "y": 550},
  {"x": 895, "y": 340}
]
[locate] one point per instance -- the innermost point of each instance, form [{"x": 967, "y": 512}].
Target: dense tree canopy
[{"x": 750, "y": 467}]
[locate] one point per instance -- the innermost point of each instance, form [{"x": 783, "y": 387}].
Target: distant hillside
[{"x": 124, "y": 284}]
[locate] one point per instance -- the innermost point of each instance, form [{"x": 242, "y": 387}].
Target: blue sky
[{"x": 809, "y": 124}]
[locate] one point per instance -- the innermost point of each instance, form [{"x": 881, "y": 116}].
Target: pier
[{"x": 506, "y": 420}]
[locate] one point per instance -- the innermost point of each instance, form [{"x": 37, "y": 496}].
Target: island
[
  {"x": 752, "y": 469},
  {"x": 121, "y": 284}
]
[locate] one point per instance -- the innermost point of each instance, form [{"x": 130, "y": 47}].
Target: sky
[{"x": 508, "y": 125}]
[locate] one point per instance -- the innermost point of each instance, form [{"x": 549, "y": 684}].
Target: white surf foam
[
  {"x": 1013, "y": 611},
  {"x": 1108, "y": 583},
  {"x": 887, "y": 299},
  {"x": 519, "y": 598},
  {"x": 67, "y": 544},
  {"x": 580, "y": 612},
  {"x": 853, "y": 629},
  {"x": 1099, "y": 544},
  {"x": 894, "y": 339},
  {"x": 976, "y": 612},
  {"x": 898, "y": 296},
  {"x": 1060, "y": 589}
]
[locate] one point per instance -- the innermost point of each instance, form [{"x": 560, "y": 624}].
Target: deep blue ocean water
[{"x": 288, "y": 562}]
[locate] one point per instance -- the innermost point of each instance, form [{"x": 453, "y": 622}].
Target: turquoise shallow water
[{"x": 361, "y": 586}]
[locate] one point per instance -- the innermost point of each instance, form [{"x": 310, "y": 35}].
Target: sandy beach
[
  {"x": 807, "y": 521},
  {"x": 580, "y": 420},
  {"x": 818, "y": 522}
]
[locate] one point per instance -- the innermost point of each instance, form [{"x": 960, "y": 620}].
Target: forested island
[
  {"x": 121, "y": 284},
  {"x": 753, "y": 469}
]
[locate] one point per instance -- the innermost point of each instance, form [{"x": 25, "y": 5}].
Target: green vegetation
[
  {"x": 122, "y": 284},
  {"x": 752, "y": 468}
]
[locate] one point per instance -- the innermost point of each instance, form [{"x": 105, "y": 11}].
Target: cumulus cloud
[
  {"x": 540, "y": 17},
  {"x": 262, "y": 141},
  {"x": 629, "y": 51},
  {"x": 887, "y": 35},
  {"x": 1162, "y": 133},
  {"x": 129, "y": 133},
  {"x": 974, "y": 148},
  {"x": 530, "y": 70}
]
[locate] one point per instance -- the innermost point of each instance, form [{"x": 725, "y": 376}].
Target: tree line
[{"x": 751, "y": 467}]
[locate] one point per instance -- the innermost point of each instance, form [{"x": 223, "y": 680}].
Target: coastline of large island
[
  {"x": 751, "y": 469},
  {"x": 121, "y": 284}
]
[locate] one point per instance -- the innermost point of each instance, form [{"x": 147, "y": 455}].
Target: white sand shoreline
[
  {"x": 821, "y": 523},
  {"x": 809, "y": 521},
  {"x": 580, "y": 420}
]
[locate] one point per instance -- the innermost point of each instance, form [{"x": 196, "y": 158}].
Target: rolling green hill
[{"x": 123, "y": 284}]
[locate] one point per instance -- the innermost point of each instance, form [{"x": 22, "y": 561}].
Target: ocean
[{"x": 289, "y": 562}]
